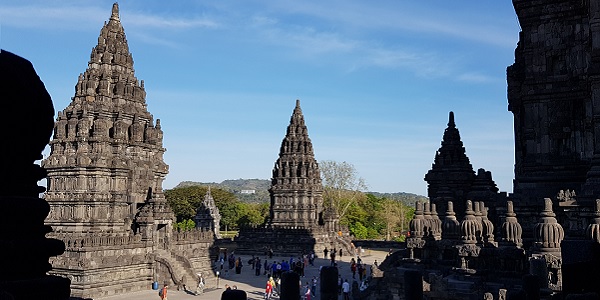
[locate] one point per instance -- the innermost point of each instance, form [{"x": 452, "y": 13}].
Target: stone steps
[{"x": 179, "y": 269}]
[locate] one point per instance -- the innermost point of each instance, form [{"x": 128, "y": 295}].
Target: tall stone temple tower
[
  {"x": 298, "y": 220},
  {"x": 553, "y": 93},
  {"x": 452, "y": 178},
  {"x": 105, "y": 175},
  {"x": 296, "y": 189}
]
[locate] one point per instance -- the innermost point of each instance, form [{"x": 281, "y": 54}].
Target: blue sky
[{"x": 376, "y": 79}]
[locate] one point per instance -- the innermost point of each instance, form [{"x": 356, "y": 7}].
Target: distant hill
[{"x": 257, "y": 190}]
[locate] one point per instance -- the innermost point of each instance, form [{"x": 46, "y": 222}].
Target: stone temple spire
[
  {"x": 106, "y": 152},
  {"x": 207, "y": 215},
  {"x": 296, "y": 189},
  {"x": 451, "y": 169}
]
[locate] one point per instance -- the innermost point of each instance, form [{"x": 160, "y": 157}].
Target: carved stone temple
[
  {"x": 208, "y": 216},
  {"x": 298, "y": 220},
  {"x": 452, "y": 178},
  {"x": 105, "y": 174}
]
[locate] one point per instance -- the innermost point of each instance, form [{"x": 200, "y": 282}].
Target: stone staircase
[{"x": 178, "y": 267}]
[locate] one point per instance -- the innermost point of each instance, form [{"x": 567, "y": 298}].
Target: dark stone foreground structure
[
  {"x": 105, "y": 174},
  {"x": 24, "y": 248},
  {"x": 542, "y": 241},
  {"x": 298, "y": 222}
]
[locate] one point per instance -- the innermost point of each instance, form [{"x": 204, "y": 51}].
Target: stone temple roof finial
[
  {"x": 451, "y": 120},
  {"x": 115, "y": 11}
]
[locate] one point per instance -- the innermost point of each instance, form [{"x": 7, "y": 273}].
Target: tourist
[
  {"x": 238, "y": 265},
  {"x": 201, "y": 283},
  {"x": 364, "y": 274},
  {"x": 353, "y": 268},
  {"x": 340, "y": 254},
  {"x": 360, "y": 269},
  {"x": 332, "y": 255},
  {"x": 307, "y": 291},
  {"x": 227, "y": 287},
  {"x": 325, "y": 253},
  {"x": 346, "y": 290},
  {"x": 268, "y": 290},
  {"x": 258, "y": 266},
  {"x": 314, "y": 285},
  {"x": 163, "y": 292},
  {"x": 275, "y": 286},
  {"x": 340, "y": 281},
  {"x": 266, "y": 267}
]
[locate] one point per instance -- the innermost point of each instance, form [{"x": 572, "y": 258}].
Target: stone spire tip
[
  {"x": 451, "y": 120},
  {"x": 115, "y": 11}
]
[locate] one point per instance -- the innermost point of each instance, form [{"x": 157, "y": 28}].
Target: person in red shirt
[
  {"x": 163, "y": 295},
  {"x": 268, "y": 290}
]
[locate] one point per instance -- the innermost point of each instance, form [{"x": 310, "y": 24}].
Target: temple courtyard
[{"x": 255, "y": 285}]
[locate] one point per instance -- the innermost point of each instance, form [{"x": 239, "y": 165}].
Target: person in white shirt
[{"x": 346, "y": 290}]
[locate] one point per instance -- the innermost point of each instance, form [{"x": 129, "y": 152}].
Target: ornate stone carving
[
  {"x": 548, "y": 233},
  {"x": 511, "y": 229},
  {"x": 450, "y": 225}
]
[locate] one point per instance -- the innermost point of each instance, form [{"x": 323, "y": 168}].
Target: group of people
[{"x": 273, "y": 269}]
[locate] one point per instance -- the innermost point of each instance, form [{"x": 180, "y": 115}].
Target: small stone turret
[
  {"x": 436, "y": 223},
  {"x": 418, "y": 224},
  {"x": 511, "y": 229},
  {"x": 487, "y": 226},
  {"x": 593, "y": 230},
  {"x": 548, "y": 233},
  {"x": 469, "y": 227},
  {"x": 450, "y": 225}
]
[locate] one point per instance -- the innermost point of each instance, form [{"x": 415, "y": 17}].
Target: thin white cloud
[
  {"x": 75, "y": 17},
  {"x": 402, "y": 16},
  {"x": 153, "y": 21}
]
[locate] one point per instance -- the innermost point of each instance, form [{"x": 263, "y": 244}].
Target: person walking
[
  {"x": 163, "y": 292},
  {"x": 268, "y": 290},
  {"x": 200, "y": 287},
  {"x": 346, "y": 290},
  {"x": 307, "y": 292}
]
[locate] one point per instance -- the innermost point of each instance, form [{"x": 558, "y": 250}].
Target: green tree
[
  {"x": 358, "y": 230},
  {"x": 185, "y": 201},
  {"x": 187, "y": 224},
  {"x": 341, "y": 185}
]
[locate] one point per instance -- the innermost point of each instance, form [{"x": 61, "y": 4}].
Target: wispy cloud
[
  {"x": 404, "y": 17},
  {"x": 78, "y": 16},
  {"x": 153, "y": 21}
]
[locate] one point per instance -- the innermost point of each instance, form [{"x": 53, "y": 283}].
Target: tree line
[{"x": 367, "y": 216}]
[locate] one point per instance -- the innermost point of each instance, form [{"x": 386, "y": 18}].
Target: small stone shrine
[
  {"x": 207, "y": 216},
  {"x": 105, "y": 174},
  {"x": 298, "y": 221},
  {"x": 25, "y": 249}
]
